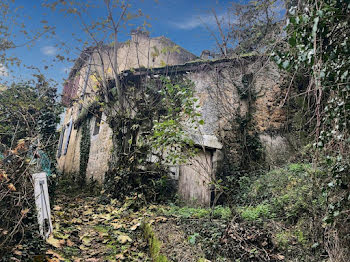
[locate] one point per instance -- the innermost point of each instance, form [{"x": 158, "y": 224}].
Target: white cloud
[
  {"x": 49, "y": 50},
  {"x": 3, "y": 70},
  {"x": 198, "y": 21}
]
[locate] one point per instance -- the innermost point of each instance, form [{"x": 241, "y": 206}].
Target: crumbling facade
[{"x": 223, "y": 88}]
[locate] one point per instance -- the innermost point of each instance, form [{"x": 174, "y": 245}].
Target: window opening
[{"x": 97, "y": 123}]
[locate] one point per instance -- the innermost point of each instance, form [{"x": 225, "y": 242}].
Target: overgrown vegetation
[
  {"x": 317, "y": 49},
  {"x": 154, "y": 244},
  {"x": 149, "y": 135},
  {"x": 288, "y": 204},
  {"x": 298, "y": 212},
  {"x": 29, "y": 113}
]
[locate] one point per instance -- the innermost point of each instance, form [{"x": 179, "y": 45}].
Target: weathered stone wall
[
  {"x": 223, "y": 104},
  {"x": 101, "y": 146},
  {"x": 223, "y": 97},
  {"x": 220, "y": 92},
  {"x": 141, "y": 51}
]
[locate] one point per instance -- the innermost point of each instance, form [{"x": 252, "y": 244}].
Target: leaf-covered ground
[
  {"x": 97, "y": 229},
  {"x": 86, "y": 230}
]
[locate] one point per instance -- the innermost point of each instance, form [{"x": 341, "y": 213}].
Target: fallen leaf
[
  {"x": 17, "y": 252},
  {"x": 161, "y": 219},
  {"x": 60, "y": 235},
  {"x": 123, "y": 239},
  {"x": 116, "y": 225},
  {"x": 86, "y": 241},
  {"x": 120, "y": 256},
  {"x": 82, "y": 247},
  {"x": 25, "y": 211},
  {"x": 280, "y": 257},
  {"x": 54, "y": 254},
  {"x": 134, "y": 227},
  {"x": 57, "y": 208},
  {"x": 70, "y": 243},
  {"x": 11, "y": 187},
  {"x": 55, "y": 242},
  {"x": 88, "y": 212},
  {"x": 3, "y": 176}
]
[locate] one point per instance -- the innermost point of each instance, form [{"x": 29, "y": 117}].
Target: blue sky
[{"x": 179, "y": 20}]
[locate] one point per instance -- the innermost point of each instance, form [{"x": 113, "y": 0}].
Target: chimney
[
  {"x": 205, "y": 55},
  {"x": 139, "y": 35}
]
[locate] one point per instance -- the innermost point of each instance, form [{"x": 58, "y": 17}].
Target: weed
[
  {"x": 192, "y": 238},
  {"x": 256, "y": 213}
]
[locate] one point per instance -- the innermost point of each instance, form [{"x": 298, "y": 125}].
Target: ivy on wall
[
  {"x": 84, "y": 151},
  {"x": 243, "y": 153}
]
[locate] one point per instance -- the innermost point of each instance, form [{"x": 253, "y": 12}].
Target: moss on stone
[{"x": 154, "y": 244}]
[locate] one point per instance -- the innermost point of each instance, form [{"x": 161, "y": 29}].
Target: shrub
[
  {"x": 256, "y": 213},
  {"x": 222, "y": 212},
  {"x": 290, "y": 191},
  {"x": 18, "y": 222}
]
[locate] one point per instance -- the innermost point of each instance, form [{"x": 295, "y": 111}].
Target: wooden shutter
[
  {"x": 68, "y": 136},
  {"x": 59, "y": 150}
]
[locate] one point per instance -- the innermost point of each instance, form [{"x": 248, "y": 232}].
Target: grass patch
[{"x": 256, "y": 213}]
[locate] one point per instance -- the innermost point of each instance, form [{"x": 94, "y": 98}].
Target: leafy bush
[
  {"x": 19, "y": 234},
  {"x": 287, "y": 238},
  {"x": 292, "y": 198},
  {"x": 256, "y": 213},
  {"x": 289, "y": 192},
  {"x": 222, "y": 212}
]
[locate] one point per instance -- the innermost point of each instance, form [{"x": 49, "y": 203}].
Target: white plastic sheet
[{"x": 42, "y": 204}]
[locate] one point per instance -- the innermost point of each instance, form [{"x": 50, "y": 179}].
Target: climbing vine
[
  {"x": 84, "y": 151},
  {"x": 242, "y": 152}
]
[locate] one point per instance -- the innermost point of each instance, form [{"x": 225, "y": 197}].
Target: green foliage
[
  {"x": 29, "y": 115},
  {"x": 255, "y": 213},
  {"x": 288, "y": 203},
  {"x": 318, "y": 47},
  {"x": 246, "y": 91},
  {"x": 205, "y": 233},
  {"x": 169, "y": 134},
  {"x": 192, "y": 238},
  {"x": 222, "y": 212},
  {"x": 288, "y": 193},
  {"x": 243, "y": 158},
  {"x": 149, "y": 136},
  {"x": 28, "y": 109},
  {"x": 18, "y": 223},
  {"x": 285, "y": 239}
]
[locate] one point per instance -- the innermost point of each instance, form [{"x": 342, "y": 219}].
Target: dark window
[{"x": 97, "y": 123}]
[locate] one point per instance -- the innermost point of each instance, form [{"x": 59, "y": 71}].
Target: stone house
[{"x": 221, "y": 87}]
